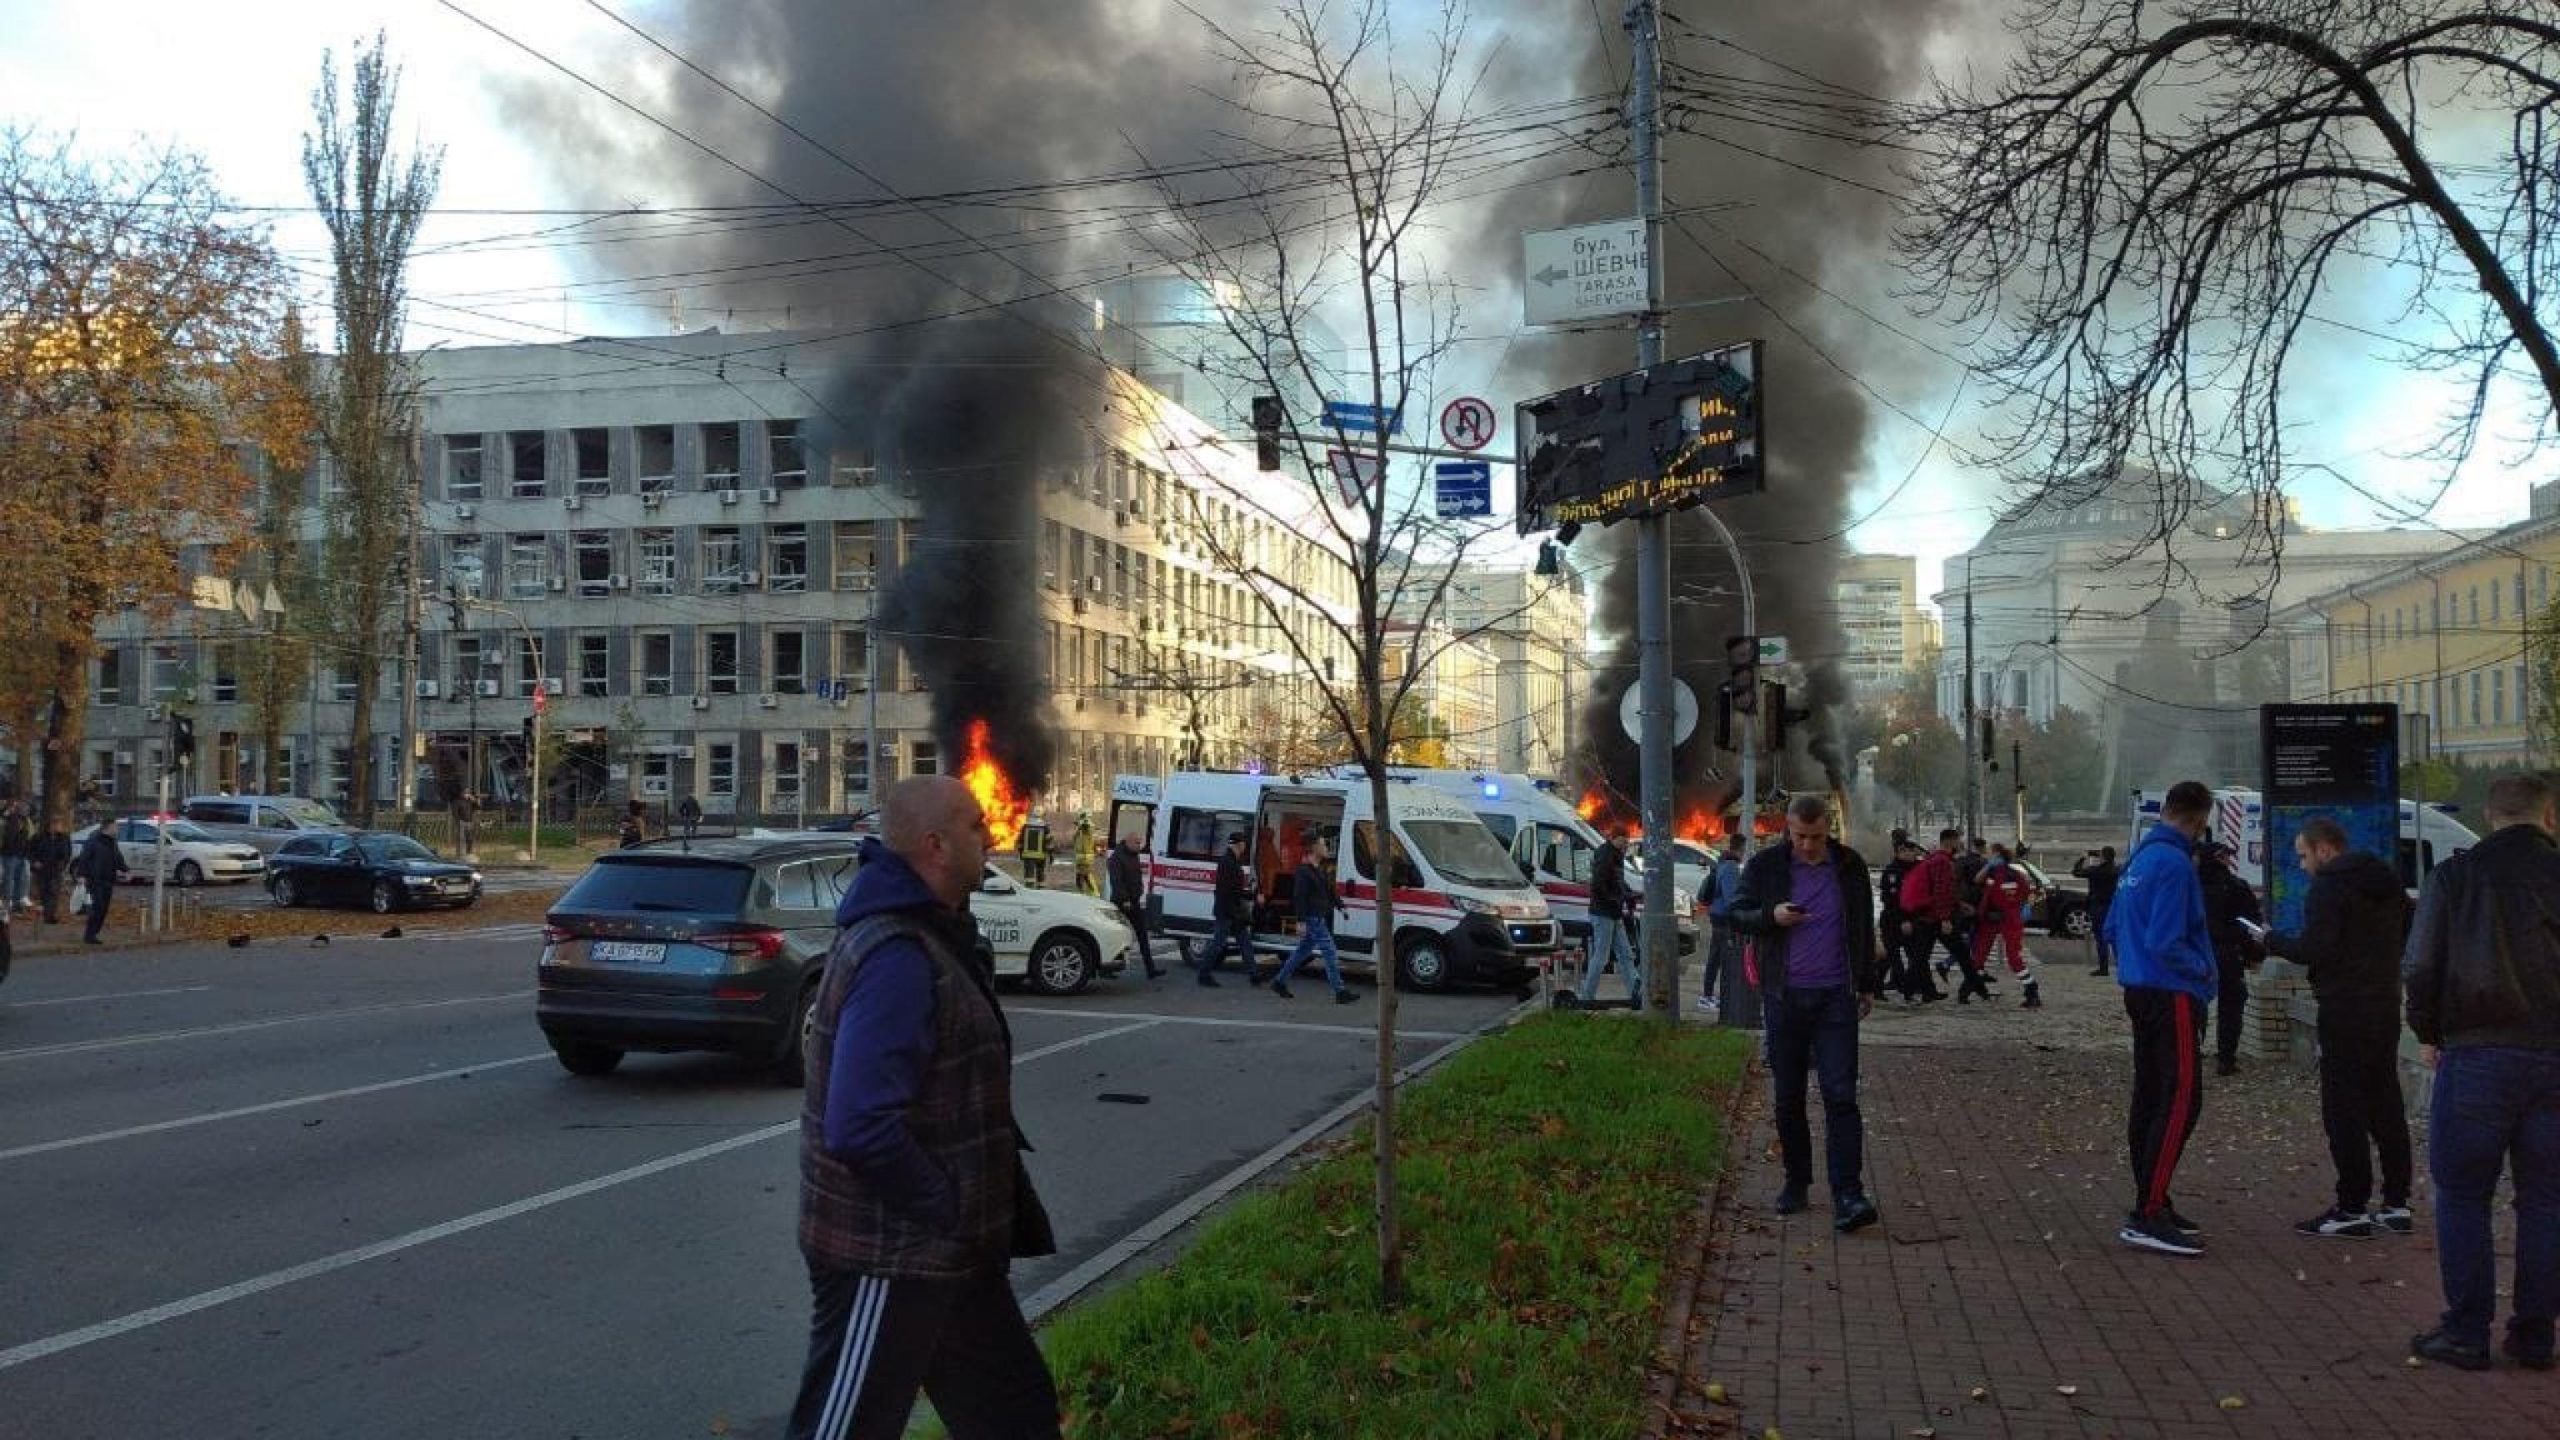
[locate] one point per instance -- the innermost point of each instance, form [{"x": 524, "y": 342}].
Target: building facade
[
  {"x": 669, "y": 561},
  {"x": 1878, "y": 600},
  {"x": 2450, "y": 639},
  {"x": 1534, "y": 630}
]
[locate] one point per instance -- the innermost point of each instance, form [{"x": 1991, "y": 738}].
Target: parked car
[
  {"x": 2061, "y": 905},
  {"x": 1054, "y": 941},
  {"x": 194, "y": 856},
  {"x": 715, "y": 944},
  {"x": 368, "y": 867},
  {"x": 265, "y": 821}
]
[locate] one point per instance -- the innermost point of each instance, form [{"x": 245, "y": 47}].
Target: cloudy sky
[{"x": 493, "y": 265}]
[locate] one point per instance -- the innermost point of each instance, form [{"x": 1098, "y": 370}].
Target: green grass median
[{"x": 1545, "y": 1173}]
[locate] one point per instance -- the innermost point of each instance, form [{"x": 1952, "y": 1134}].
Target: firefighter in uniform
[
  {"x": 1085, "y": 852},
  {"x": 1033, "y": 847}
]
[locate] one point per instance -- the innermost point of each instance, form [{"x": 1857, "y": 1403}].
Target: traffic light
[
  {"x": 1266, "y": 432},
  {"x": 1742, "y": 681},
  {"x": 1724, "y": 721},
  {"x": 1990, "y": 751},
  {"x": 182, "y": 739},
  {"x": 1775, "y": 722}
]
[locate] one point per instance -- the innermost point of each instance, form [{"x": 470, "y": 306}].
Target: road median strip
[{"x": 1545, "y": 1174}]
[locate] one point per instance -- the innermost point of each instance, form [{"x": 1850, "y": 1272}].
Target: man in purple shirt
[{"x": 1811, "y": 909}]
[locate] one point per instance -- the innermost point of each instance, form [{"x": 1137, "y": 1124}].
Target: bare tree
[
  {"x": 372, "y": 201},
  {"x": 2143, "y": 211},
  {"x": 1363, "y": 134}
]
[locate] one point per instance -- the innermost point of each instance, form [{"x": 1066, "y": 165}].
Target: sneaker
[
  {"x": 1790, "y": 1201},
  {"x": 2531, "y": 1357},
  {"x": 2392, "y": 1219},
  {"x": 2226, "y": 1065},
  {"x": 2180, "y": 1223},
  {"x": 1345, "y": 997},
  {"x": 2336, "y": 1223},
  {"x": 1208, "y": 979},
  {"x": 1281, "y": 991},
  {"x": 2443, "y": 1349},
  {"x": 1853, "y": 1212},
  {"x": 2156, "y": 1233}
]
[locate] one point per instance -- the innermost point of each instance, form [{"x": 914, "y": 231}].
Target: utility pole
[
  {"x": 1653, "y": 544},
  {"x": 409, "y": 626},
  {"x": 1972, "y": 739},
  {"x": 2018, "y": 788},
  {"x": 871, "y": 706}
]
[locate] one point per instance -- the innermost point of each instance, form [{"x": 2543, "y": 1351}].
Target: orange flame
[
  {"x": 1005, "y": 806},
  {"x": 1698, "y": 821}
]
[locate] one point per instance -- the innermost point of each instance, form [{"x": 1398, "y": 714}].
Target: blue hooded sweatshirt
[
  {"x": 884, "y": 1042},
  {"x": 2156, "y": 922}
]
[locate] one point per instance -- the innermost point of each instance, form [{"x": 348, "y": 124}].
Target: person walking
[
  {"x": 635, "y": 824},
  {"x": 1724, "y": 943},
  {"x": 1232, "y": 904},
  {"x": 1316, "y": 903},
  {"x": 2164, "y": 961},
  {"x": 1127, "y": 872},
  {"x": 17, "y": 839},
  {"x": 1896, "y": 924},
  {"x": 2001, "y": 919},
  {"x": 2354, "y": 917},
  {"x": 97, "y": 865},
  {"x": 1085, "y": 851},
  {"x": 1812, "y": 912},
  {"x": 2098, "y": 867},
  {"x": 2230, "y": 908},
  {"x": 913, "y": 1195},
  {"x": 466, "y": 816},
  {"x": 49, "y": 856},
  {"x": 1609, "y": 940},
  {"x": 2482, "y": 983}
]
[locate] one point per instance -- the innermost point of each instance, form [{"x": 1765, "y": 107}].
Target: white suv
[{"x": 262, "y": 821}]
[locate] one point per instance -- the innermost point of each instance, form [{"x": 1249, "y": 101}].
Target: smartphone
[{"x": 2256, "y": 930}]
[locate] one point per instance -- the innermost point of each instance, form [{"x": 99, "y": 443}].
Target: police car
[{"x": 1054, "y": 941}]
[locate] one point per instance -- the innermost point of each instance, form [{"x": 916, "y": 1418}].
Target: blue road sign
[
  {"x": 1343, "y": 415},
  {"x": 1462, "y": 488}
]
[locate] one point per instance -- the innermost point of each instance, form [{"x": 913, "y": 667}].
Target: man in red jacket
[
  {"x": 2006, "y": 893},
  {"x": 1933, "y": 918}
]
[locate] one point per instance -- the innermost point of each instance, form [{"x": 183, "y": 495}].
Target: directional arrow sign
[
  {"x": 1462, "y": 488},
  {"x": 1773, "y": 649},
  {"x": 1589, "y": 272}
]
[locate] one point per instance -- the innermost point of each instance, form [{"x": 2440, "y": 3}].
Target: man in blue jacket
[
  {"x": 912, "y": 1196},
  {"x": 2164, "y": 960}
]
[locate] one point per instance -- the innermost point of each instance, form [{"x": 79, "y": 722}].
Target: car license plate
[{"x": 627, "y": 952}]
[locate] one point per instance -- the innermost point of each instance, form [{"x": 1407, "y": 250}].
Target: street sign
[
  {"x": 1647, "y": 442},
  {"x": 1344, "y": 415},
  {"x": 1462, "y": 488},
  {"x": 1684, "y": 712},
  {"x": 2337, "y": 761},
  {"x": 1354, "y": 471},
  {"x": 1467, "y": 424},
  {"x": 1590, "y": 272},
  {"x": 1773, "y": 649}
]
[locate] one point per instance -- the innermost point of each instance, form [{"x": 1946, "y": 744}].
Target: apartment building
[
  {"x": 1877, "y": 598},
  {"x": 676, "y": 551}
]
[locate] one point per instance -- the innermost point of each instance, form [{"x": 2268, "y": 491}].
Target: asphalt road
[{"x": 289, "y": 1191}]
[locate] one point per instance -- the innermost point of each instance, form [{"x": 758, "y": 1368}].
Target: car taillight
[
  {"x": 554, "y": 935},
  {"x": 758, "y": 943}
]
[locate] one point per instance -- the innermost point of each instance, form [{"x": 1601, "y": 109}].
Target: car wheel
[
  {"x": 791, "y": 1067},
  {"x": 281, "y": 888},
  {"x": 579, "y": 1058},
  {"x": 188, "y": 873},
  {"x": 1422, "y": 962},
  {"x": 2076, "y": 922},
  {"x": 385, "y": 899},
  {"x": 1063, "y": 963}
]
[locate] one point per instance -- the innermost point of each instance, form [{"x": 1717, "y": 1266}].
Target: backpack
[{"x": 1915, "y": 890}]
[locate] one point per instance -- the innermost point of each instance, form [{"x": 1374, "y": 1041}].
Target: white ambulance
[
  {"x": 1551, "y": 843},
  {"x": 1463, "y": 913}
]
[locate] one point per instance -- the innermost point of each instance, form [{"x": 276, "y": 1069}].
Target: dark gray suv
[{"x": 714, "y": 946}]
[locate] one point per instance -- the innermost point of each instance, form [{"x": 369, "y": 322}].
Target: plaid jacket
[{"x": 962, "y": 1118}]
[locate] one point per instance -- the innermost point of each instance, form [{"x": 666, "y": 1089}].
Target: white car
[
  {"x": 195, "y": 857},
  {"x": 1054, "y": 941},
  {"x": 1691, "y": 864}
]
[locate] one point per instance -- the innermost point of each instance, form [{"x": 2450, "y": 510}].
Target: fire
[
  {"x": 1005, "y": 806},
  {"x": 1699, "y": 820}
]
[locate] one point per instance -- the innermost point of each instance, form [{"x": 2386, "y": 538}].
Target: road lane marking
[
  {"x": 102, "y": 995},
  {"x": 77, "y": 1047},
  {"x": 209, "y": 1117},
  {"x": 52, "y": 1345},
  {"x": 1212, "y": 1020},
  {"x": 1074, "y": 1282}
]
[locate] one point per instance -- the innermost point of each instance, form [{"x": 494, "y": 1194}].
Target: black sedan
[{"x": 386, "y": 871}]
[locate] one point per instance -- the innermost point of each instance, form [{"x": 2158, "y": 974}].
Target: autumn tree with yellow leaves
[{"x": 141, "y": 380}]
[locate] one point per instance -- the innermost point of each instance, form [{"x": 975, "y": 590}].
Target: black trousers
[
  {"x": 875, "y": 1342},
  {"x": 49, "y": 891},
  {"x": 1136, "y": 915},
  {"x": 2360, "y": 1105},
  {"x": 2231, "y": 1010},
  {"x": 1911, "y": 973},
  {"x": 100, "y": 896},
  {"x": 2168, "y": 1091}
]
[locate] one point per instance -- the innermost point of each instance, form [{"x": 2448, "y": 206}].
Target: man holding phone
[
  {"x": 2353, "y": 919},
  {"x": 1812, "y": 908}
]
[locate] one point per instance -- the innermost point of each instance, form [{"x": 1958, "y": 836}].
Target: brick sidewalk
[{"x": 1996, "y": 1155}]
